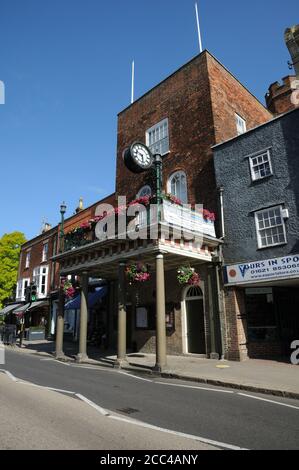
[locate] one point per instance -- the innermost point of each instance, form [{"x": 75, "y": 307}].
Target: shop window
[
  {"x": 157, "y": 138},
  {"x": 261, "y": 320},
  {"x": 270, "y": 227},
  {"x": 22, "y": 284}
]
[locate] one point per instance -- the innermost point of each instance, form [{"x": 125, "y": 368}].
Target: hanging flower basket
[
  {"x": 137, "y": 273},
  {"x": 188, "y": 275},
  {"x": 68, "y": 289}
]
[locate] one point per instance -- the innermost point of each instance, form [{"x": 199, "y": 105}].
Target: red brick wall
[
  {"x": 200, "y": 100},
  {"x": 184, "y": 99},
  {"x": 86, "y": 214},
  {"x": 236, "y": 334},
  {"x": 229, "y": 96}
]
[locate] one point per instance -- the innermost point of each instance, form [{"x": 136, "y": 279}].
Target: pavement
[
  {"x": 255, "y": 375},
  {"x": 35, "y": 418}
]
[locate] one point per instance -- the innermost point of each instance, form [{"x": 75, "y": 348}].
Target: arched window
[
  {"x": 144, "y": 191},
  {"x": 177, "y": 185}
]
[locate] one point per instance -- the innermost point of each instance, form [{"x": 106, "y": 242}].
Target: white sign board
[
  {"x": 187, "y": 219},
  {"x": 141, "y": 317},
  {"x": 265, "y": 270}
]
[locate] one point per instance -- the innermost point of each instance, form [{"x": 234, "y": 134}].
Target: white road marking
[
  {"x": 93, "y": 405},
  {"x": 31, "y": 384},
  {"x": 178, "y": 434},
  {"x": 135, "y": 376},
  {"x": 269, "y": 401},
  {"x": 92, "y": 368},
  {"x": 48, "y": 359},
  {"x": 195, "y": 387},
  {"x": 9, "y": 374}
]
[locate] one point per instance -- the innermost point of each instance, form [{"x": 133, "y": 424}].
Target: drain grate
[{"x": 128, "y": 411}]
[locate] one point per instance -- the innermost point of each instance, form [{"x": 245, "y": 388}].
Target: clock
[{"x": 138, "y": 158}]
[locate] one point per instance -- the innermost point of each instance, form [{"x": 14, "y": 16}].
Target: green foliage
[{"x": 10, "y": 246}]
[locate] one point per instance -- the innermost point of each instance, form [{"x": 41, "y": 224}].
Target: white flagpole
[
  {"x": 198, "y": 29},
  {"x": 133, "y": 80}
]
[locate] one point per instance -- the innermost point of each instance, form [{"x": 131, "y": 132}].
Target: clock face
[{"x": 141, "y": 155}]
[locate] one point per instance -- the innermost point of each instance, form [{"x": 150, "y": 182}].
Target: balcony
[{"x": 140, "y": 221}]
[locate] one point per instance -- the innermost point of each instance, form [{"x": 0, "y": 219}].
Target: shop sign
[{"x": 265, "y": 270}]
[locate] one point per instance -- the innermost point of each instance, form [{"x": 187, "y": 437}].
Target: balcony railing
[{"x": 177, "y": 218}]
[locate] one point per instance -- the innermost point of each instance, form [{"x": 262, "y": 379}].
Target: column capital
[{"x": 160, "y": 254}]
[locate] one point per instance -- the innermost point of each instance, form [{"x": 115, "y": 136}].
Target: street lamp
[{"x": 62, "y": 212}]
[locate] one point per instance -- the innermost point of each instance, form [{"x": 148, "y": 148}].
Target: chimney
[
  {"x": 291, "y": 37},
  {"x": 279, "y": 96},
  {"x": 46, "y": 227},
  {"x": 80, "y": 207}
]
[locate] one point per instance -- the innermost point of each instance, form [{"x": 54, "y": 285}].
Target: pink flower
[
  {"x": 85, "y": 225},
  {"x": 207, "y": 215},
  {"x": 194, "y": 279},
  {"x": 144, "y": 201}
]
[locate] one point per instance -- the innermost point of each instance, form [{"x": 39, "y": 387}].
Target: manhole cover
[{"x": 128, "y": 411}]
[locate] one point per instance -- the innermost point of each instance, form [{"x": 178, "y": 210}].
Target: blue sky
[{"x": 66, "y": 65}]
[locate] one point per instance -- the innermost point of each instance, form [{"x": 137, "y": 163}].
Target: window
[
  {"x": 177, "y": 186},
  {"x": 45, "y": 252},
  {"x": 27, "y": 261},
  {"x": 260, "y": 314},
  {"x": 144, "y": 191},
  {"x": 157, "y": 138},
  {"x": 40, "y": 279},
  {"x": 260, "y": 166},
  {"x": 241, "y": 125},
  {"x": 21, "y": 288},
  {"x": 270, "y": 227}
]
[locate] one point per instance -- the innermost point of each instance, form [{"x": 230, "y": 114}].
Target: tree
[{"x": 10, "y": 247}]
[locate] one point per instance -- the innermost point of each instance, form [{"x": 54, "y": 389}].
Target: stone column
[
  {"x": 82, "y": 355},
  {"x": 161, "y": 359},
  {"x": 122, "y": 317},
  {"x": 59, "y": 354}
]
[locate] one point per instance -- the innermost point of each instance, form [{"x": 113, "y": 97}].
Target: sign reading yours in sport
[{"x": 265, "y": 270}]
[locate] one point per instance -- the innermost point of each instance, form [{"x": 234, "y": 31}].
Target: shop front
[{"x": 268, "y": 292}]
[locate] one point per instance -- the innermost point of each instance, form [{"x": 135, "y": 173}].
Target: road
[{"x": 229, "y": 417}]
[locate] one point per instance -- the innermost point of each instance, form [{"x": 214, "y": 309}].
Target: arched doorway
[{"x": 195, "y": 324}]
